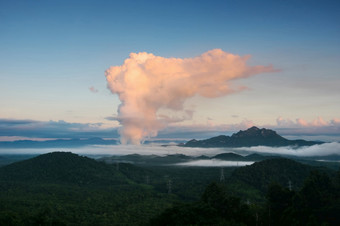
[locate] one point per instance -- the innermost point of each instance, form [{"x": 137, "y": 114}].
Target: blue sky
[{"x": 53, "y": 52}]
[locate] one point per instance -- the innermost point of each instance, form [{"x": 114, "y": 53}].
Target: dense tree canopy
[{"x": 67, "y": 189}]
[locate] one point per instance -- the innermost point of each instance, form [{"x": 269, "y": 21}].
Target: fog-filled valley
[{"x": 165, "y": 185}]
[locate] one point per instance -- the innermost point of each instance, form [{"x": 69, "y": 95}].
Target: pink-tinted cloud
[
  {"x": 146, "y": 83},
  {"x": 320, "y": 122},
  {"x": 282, "y": 122},
  {"x": 93, "y": 89},
  {"x": 317, "y": 127},
  {"x": 300, "y": 122},
  {"x": 335, "y": 121}
]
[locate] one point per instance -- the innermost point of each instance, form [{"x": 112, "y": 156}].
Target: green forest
[{"x": 62, "y": 188}]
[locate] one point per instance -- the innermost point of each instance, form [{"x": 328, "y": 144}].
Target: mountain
[
  {"x": 62, "y": 167},
  {"x": 250, "y": 137}
]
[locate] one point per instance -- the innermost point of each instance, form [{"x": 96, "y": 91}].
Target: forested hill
[
  {"x": 62, "y": 167},
  {"x": 286, "y": 172},
  {"x": 67, "y": 189},
  {"x": 250, "y": 137}
]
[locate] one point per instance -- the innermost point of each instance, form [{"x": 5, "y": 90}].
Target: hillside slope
[
  {"x": 261, "y": 174},
  {"x": 62, "y": 167}
]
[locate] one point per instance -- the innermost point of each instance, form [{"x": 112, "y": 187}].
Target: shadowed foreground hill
[
  {"x": 316, "y": 203},
  {"x": 62, "y": 167},
  {"x": 66, "y": 189}
]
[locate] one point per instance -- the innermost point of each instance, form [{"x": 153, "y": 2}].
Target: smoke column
[{"x": 146, "y": 83}]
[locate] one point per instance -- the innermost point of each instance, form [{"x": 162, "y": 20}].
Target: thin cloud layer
[
  {"x": 32, "y": 129},
  {"x": 215, "y": 163},
  {"x": 146, "y": 83}
]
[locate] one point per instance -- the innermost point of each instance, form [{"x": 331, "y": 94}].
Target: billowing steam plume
[{"x": 146, "y": 83}]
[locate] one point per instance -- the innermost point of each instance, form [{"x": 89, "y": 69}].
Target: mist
[
  {"x": 215, "y": 163},
  {"x": 156, "y": 149},
  {"x": 314, "y": 150}
]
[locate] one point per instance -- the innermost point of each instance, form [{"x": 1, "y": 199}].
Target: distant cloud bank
[
  {"x": 35, "y": 130},
  {"x": 18, "y": 129},
  {"x": 315, "y": 150}
]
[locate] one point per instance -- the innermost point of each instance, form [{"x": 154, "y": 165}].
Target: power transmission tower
[
  {"x": 117, "y": 166},
  {"x": 169, "y": 186},
  {"x": 257, "y": 219},
  {"x": 290, "y": 185},
  {"x": 222, "y": 175},
  {"x": 147, "y": 179}
]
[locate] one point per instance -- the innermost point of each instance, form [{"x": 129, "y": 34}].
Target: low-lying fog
[
  {"x": 315, "y": 150},
  {"x": 157, "y": 149},
  {"x": 215, "y": 163}
]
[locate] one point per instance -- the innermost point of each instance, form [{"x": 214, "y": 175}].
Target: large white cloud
[{"x": 146, "y": 83}]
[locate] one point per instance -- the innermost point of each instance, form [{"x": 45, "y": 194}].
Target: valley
[{"x": 63, "y": 188}]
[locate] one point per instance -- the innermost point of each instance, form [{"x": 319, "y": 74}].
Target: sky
[{"x": 55, "y": 57}]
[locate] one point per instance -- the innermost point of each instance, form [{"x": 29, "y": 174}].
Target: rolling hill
[
  {"x": 67, "y": 189},
  {"x": 280, "y": 170},
  {"x": 62, "y": 167}
]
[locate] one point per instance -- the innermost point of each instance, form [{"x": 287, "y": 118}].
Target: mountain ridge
[{"x": 247, "y": 138}]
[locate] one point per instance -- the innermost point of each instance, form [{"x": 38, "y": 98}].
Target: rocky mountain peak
[{"x": 255, "y": 132}]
